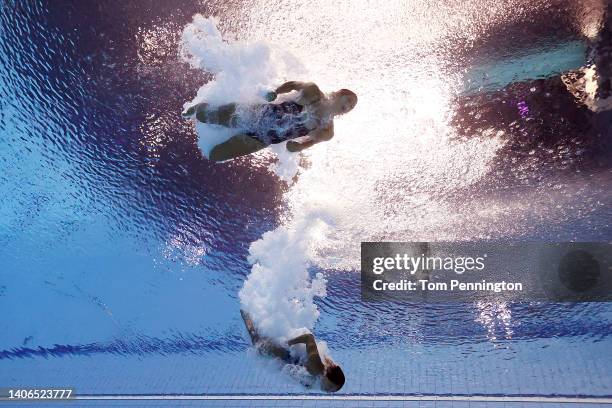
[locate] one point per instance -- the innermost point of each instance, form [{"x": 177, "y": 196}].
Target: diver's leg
[
  {"x": 238, "y": 145},
  {"x": 249, "y": 325},
  {"x": 224, "y": 115},
  {"x": 271, "y": 348},
  {"x": 264, "y": 345}
]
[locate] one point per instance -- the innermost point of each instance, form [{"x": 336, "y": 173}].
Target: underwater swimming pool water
[{"x": 123, "y": 249}]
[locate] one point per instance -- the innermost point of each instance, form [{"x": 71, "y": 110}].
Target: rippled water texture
[{"x": 118, "y": 238}]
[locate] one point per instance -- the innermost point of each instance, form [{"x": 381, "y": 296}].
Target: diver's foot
[
  {"x": 189, "y": 112},
  {"x": 197, "y": 109},
  {"x": 247, "y": 320}
]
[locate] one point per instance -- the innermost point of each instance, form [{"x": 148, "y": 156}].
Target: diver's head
[
  {"x": 333, "y": 377},
  {"x": 343, "y": 101}
]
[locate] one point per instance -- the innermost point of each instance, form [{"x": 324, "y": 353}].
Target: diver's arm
[
  {"x": 311, "y": 346},
  {"x": 284, "y": 88},
  {"x": 323, "y": 134},
  {"x": 309, "y": 91},
  {"x": 304, "y": 338},
  {"x": 290, "y": 86},
  {"x": 314, "y": 365},
  {"x": 314, "y": 137}
]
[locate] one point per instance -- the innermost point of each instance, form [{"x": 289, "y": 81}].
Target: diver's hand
[
  {"x": 270, "y": 96},
  {"x": 293, "y": 147}
]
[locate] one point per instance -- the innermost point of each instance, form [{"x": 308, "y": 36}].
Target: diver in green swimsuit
[{"x": 308, "y": 119}]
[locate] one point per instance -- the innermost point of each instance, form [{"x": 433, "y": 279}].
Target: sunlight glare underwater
[{"x": 387, "y": 171}]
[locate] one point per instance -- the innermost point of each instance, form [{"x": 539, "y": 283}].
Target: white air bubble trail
[{"x": 279, "y": 293}]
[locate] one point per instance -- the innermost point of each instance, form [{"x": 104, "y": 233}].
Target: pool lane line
[{"x": 305, "y": 397}]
